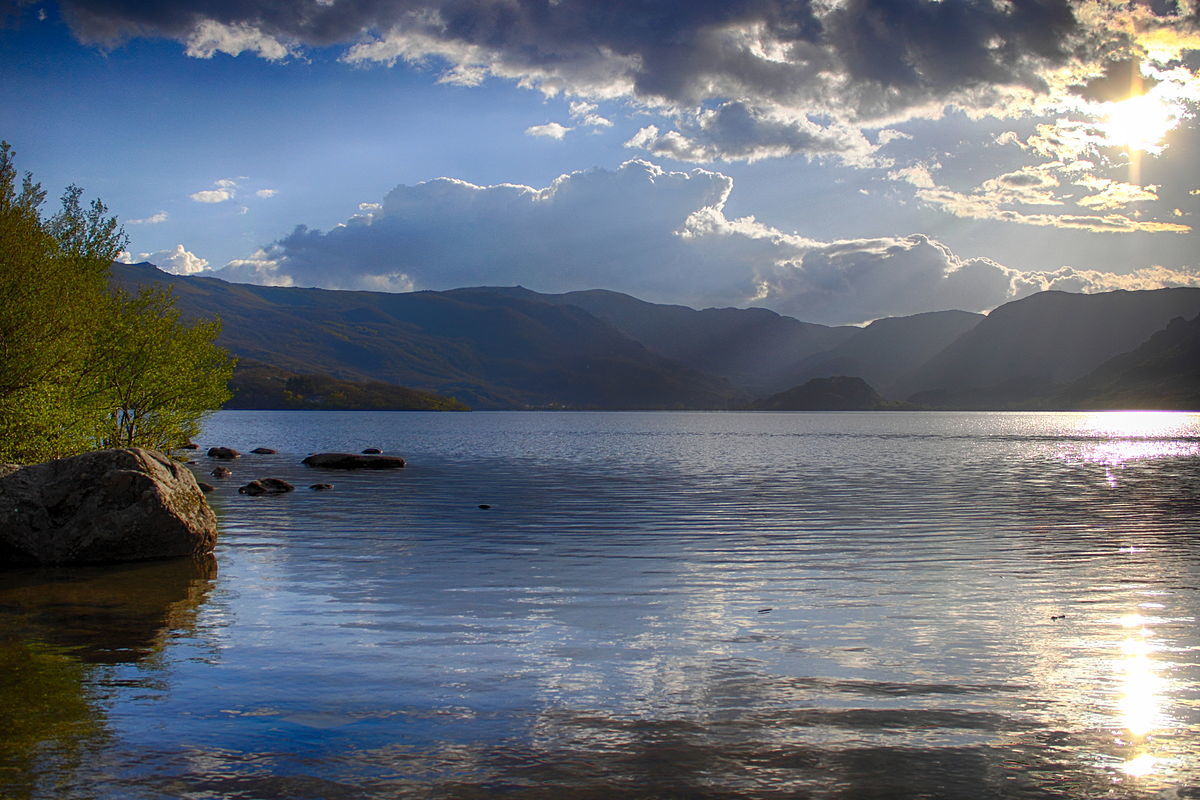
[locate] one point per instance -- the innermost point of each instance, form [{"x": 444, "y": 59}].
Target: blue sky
[{"x": 837, "y": 161}]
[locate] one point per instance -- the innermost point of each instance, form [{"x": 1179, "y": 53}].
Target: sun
[{"x": 1140, "y": 123}]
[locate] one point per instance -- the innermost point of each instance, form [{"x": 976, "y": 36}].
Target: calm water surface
[{"x": 667, "y": 605}]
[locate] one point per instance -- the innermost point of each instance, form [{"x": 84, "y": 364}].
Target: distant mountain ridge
[
  {"x": 1023, "y": 352},
  {"x": 1162, "y": 373},
  {"x": 754, "y": 348},
  {"x": 483, "y": 348},
  {"x": 884, "y": 352},
  {"x": 510, "y": 347}
]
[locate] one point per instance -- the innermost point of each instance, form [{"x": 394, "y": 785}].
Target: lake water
[{"x": 655, "y": 605}]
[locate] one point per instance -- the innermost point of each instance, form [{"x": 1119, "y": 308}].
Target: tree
[
  {"x": 64, "y": 339},
  {"x": 156, "y": 376}
]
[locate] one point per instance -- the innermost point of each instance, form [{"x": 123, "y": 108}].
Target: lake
[{"x": 654, "y": 605}]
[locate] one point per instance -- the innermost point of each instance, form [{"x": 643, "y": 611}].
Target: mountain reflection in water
[{"x": 654, "y": 605}]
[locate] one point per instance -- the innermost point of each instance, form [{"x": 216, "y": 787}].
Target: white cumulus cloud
[
  {"x": 153, "y": 219},
  {"x": 226, "y": 190},
  {"x": 656, "y": 234},
  {"x": 177, "y": 260},
  {"x": 551, "y": 130}
]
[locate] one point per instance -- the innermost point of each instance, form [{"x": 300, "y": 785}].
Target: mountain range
[{"x": 510, "y": 347}]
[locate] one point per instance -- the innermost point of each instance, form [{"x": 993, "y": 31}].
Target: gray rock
[
  {"x": 276, "y": 485},
  {"x": 223, "y": 452},
  {"x": 102, "y": 507},
  {"x": 352, "y": 461},
  {"x": 266, "y": 486}
]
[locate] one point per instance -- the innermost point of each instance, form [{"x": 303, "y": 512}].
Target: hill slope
[
  {"x": 486, "y": 349},
  {"x": 889, "y": 350},
  {"x": 755, "y": 349},
  {"x": 1162, "y": 373},
  {"x": 1023, "y": 351},
  {"x": 835, "y": 393},
  {"x": 260, "y": 386}
]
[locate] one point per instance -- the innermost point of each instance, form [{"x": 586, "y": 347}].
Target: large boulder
[
  {"x": 103, "y": 506},
  {"x": 352, "y": 461}
]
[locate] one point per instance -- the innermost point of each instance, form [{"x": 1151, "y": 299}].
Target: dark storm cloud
[
  {"x": 743, "y": 79},
  {"x": 676, "y": 51},
  {"x": 943, "y": 45}
]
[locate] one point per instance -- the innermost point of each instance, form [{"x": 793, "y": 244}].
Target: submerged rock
[
  {"x": 266, "y": 486},
  {"x": 264, "y": 451},
  {"x": 101, "y": 507},
  {"x": 372, "y": 451},
  {"x": 221, "y": 472},
  {"x": 206, "y": 487},
  {"x": 189, "y": 446},
  {"x": 223, "y": 452},
  {"x": 352, "y": 461},
  {"x": 321, "y": 487}
]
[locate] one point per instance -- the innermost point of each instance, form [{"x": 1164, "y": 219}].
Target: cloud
[
  {"x": 210, "y": 37},
  {"x": 857, "y": 63},
  {"x": 736, "y": 131},
  {"x": 267, "y": 192},
  {"x": 551, "y": 130},
  {"x": 585, "y": 114},
  {"x": 177, "y": 260},
  {"x": 918, "y": 175},
  {"x": 982, "y": 205},
  {"x": 1109, "y": 194},
  {"x": 657, "y": 234},
  {"x": 1003, "y": 197},
  {"x": 226, "y": 190},
  {"x": 153, "y": 219},
  {"x": 212, "y": 196}
]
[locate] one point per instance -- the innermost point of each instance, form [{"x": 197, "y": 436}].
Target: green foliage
[
  {"x": 80, "y": 367},
  {"x": 262, "y": 386},
  {"x": 155, "y": 376}
]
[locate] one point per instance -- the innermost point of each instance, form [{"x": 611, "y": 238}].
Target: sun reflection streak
[
  {"x": 1139, "y": 704},
  {"x": 1116, "y": 438},
  {"x": 1134, "y": 424}
]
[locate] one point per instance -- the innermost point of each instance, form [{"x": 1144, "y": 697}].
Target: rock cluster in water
[{"x": 103, "y": 506}]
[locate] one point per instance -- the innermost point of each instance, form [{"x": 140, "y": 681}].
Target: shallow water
[{"x": 655, "y": 605}]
